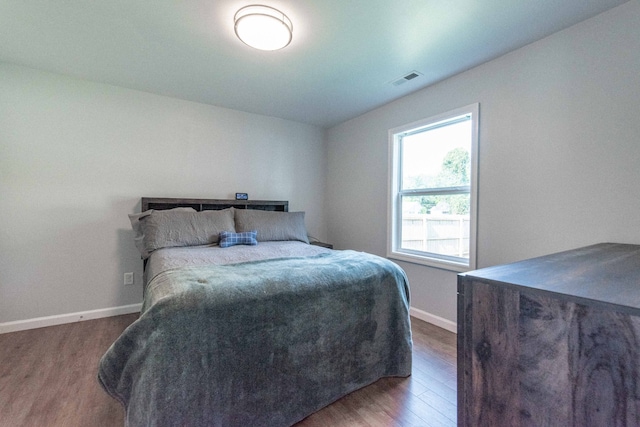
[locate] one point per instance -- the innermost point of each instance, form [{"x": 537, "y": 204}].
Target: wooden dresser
[{"x": 552, "y": 341}]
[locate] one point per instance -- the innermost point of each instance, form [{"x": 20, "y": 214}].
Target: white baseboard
[
  {"x": 40, "y": 322},
  {"x": 435, "y": 320}
]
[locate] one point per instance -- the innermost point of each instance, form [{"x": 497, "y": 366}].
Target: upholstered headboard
[{"x": 162, "y": 203}]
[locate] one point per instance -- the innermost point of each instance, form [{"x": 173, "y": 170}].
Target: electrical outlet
[{"x": 128, "y": 278}]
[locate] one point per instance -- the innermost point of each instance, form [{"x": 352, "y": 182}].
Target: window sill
[{"x": 430, "y": 262}]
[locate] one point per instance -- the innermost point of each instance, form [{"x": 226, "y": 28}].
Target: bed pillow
[
  {"x": 136, "y": 225},
  {"x": 272, "y": 226},
  {"x": 165, "y": 229},
  {"x": 227, "y": 238}
]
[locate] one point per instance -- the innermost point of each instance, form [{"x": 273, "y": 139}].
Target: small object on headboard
[{"x": 242, "y": 196}]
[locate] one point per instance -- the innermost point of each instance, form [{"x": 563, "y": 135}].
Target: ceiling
[{"x": 343, "y": 56}]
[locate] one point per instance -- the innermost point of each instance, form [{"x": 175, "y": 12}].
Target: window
[{"x": 432, "y": 190}]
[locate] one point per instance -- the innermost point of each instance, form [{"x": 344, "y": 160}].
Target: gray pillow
[
  {"x": 136, "y": 225},
  {"x": 164, "y": 229},
  {"x": 272, "y": 226}
]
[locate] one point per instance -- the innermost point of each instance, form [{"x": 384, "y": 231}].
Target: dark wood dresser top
[{"x": 606, "y": 273}]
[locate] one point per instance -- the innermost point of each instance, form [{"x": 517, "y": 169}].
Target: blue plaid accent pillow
[{"x": 227, "y": 238}]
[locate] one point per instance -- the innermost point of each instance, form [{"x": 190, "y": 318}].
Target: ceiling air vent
[{"x": 402, "y": 80}]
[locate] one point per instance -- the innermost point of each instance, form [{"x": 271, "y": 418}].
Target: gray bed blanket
[{"x": 263, "y": 343}]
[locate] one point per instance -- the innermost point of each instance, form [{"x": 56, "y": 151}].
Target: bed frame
[{"x": 162, "y": 203}]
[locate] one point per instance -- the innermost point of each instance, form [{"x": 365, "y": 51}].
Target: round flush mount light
[{"x": 263, "y": 27}]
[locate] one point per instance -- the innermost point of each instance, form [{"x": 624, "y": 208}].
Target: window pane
[
  {"x": 436, "y": 224},
  {"x": 433, "y": 191},
  {"x": 437, "y": 158}
]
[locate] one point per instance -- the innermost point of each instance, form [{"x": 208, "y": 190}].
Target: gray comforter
[{"x": 262, "y": 343}]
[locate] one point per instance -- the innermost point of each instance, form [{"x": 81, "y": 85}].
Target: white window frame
[{"x": 394, "y": 225}]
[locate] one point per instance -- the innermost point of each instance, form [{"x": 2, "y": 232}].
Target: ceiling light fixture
[{"x": 263, "y": 27}]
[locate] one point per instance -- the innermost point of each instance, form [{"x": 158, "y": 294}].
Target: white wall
[
  {"x": 559, "y": 156},
  {"x": 75, "y": 158},
  {"x": 559, "y": 152}
]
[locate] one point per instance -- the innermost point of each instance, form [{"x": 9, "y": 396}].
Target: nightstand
[{"x": 324, "y": 245}]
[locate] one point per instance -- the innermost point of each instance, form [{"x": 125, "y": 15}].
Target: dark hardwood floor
[
  {"x": 48, "y": 375},
  {"x": 48, "y": 378}
]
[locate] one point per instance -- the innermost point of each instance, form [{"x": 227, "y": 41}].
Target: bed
[{"x": 244, "y": 323}]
